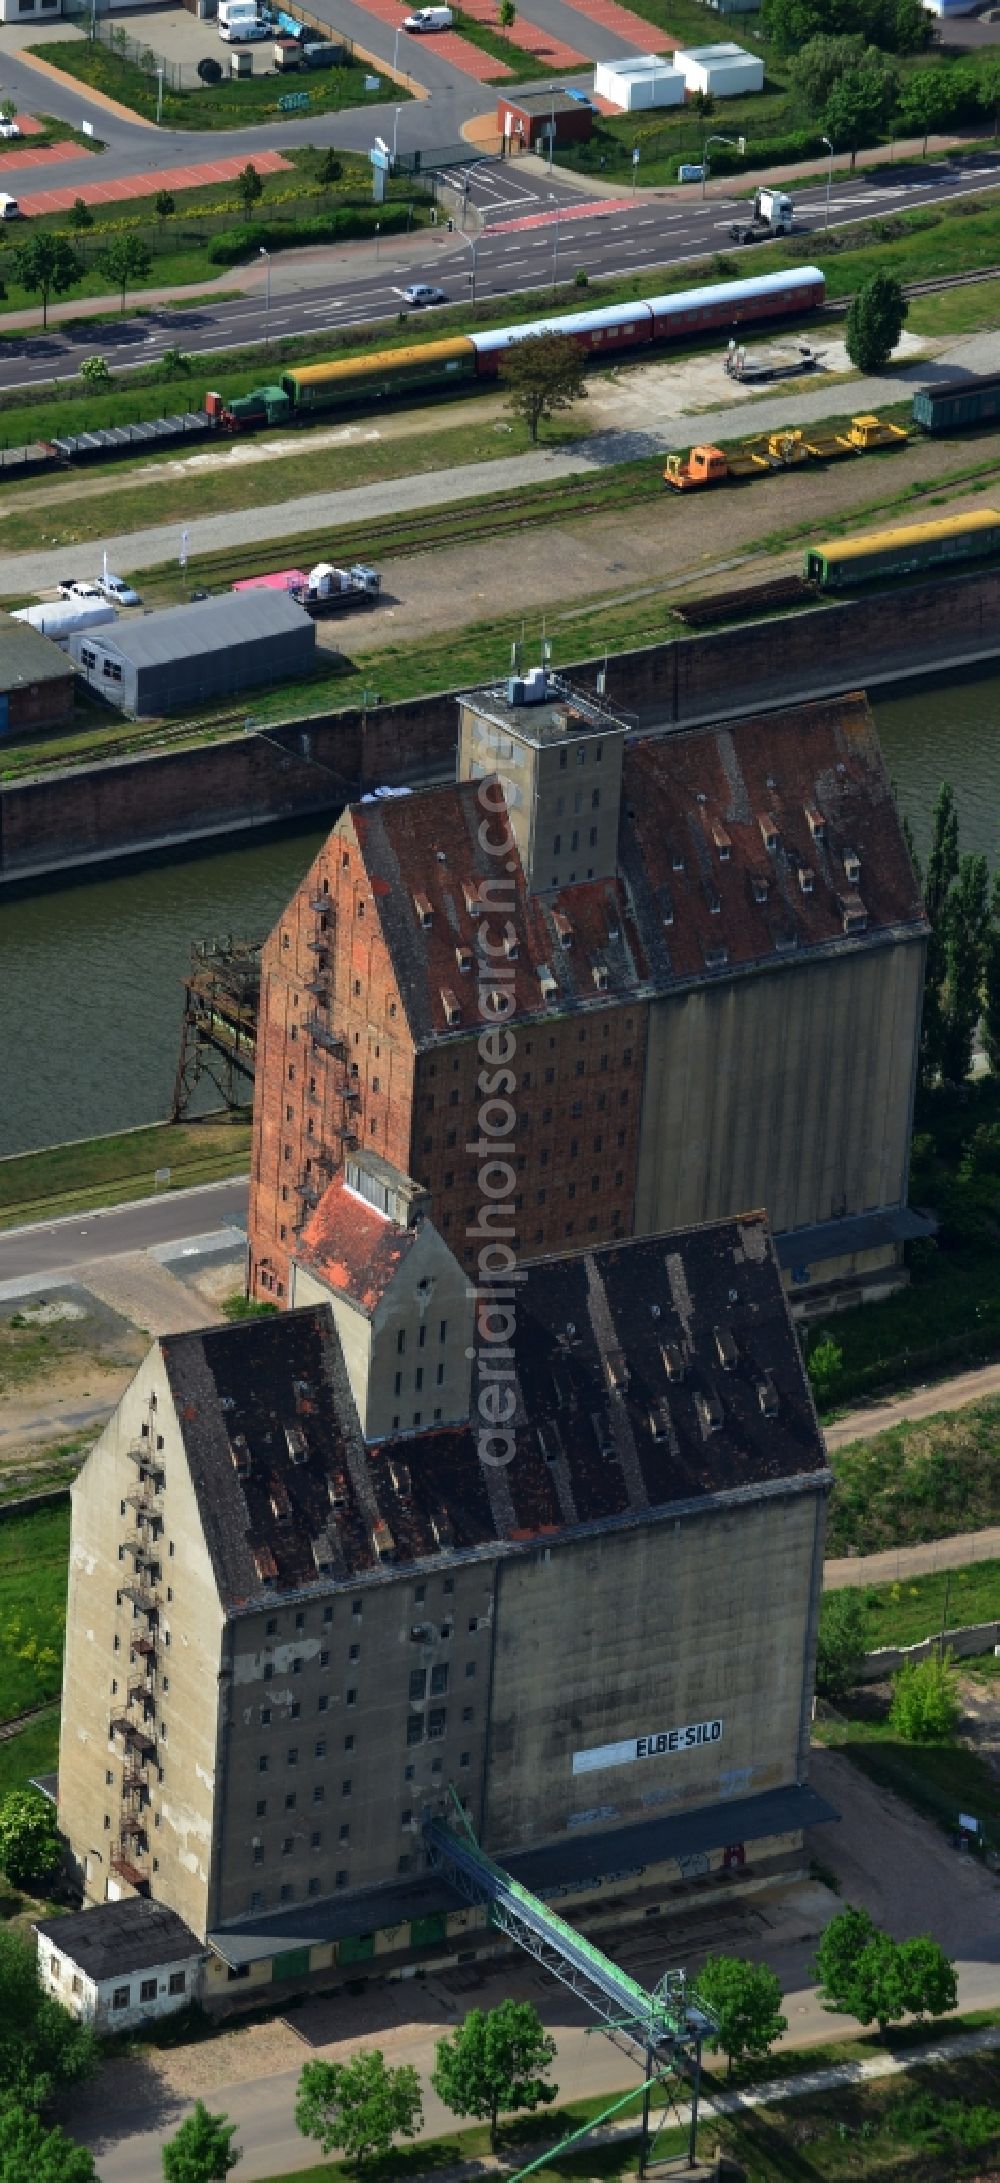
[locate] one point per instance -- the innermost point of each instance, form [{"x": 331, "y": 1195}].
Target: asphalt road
[
  {"x": 63, "y": 1245},
  {"x": 566, "y": 233}
]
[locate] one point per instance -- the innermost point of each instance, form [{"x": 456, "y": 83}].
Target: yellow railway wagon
[
  {"x": 387, "y": 371},
  {"x": 916, "y": 546}
]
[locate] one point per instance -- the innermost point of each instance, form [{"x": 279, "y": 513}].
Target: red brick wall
[
  {"x": 40, "y": 705},
  {"x": 577, "y": 1091}
]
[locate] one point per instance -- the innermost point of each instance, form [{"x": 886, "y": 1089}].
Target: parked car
[
  {"x": 76, "y": 587},
  {"x": 418, "y": 292},
  {"x": 429, "y": 19},
  {"x": 118, "y": 591},
  {"x": 8, "y": 129}
]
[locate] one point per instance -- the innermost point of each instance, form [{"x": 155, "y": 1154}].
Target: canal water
[{"x": 90, "y": 972}]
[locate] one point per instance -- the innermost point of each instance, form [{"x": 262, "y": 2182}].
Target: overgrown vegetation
[
  {"x": 909, "y": 1610},
  {"x": 33, "y": 1559},
  {"x": 925, "y": 1480}
]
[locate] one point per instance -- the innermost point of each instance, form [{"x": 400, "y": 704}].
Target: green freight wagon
[
  {"x": 956, "y": 403},
  {"x": 850, "y": 561}
]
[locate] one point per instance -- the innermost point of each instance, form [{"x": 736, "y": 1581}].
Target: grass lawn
[
  {"x": 41, "y": 1465},
  {"x": 903, "y": 1614},
  {"x": 34, "y": 1750},
  {"x": 106, "y": 1170},
  {"x": 957, "y": 310},
  {"x": 923, "y": 1480},
  {"x": 524, "y": 64},
  {"x": 226, "y": 105},
  {"x": 33, "y": 1557}
]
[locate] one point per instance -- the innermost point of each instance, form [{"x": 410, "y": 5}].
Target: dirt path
[
  {"x": 924, "y": 1402},
  {"x": 899, "y": 1562}
]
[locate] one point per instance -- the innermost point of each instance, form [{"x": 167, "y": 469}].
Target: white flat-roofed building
[
  {"x": 723, "y": 71},
  {"x": 639, "y": 81}
]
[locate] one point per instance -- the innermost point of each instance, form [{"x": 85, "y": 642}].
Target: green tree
[
  {"x": 825, "y": 1364},
  {"x": 864, "y": 1973},
  {"x": 249, "y": 188},
  {"x": 928, "y": 102},
  {"x": 895, "y": 26},
  {"x": 79, "y": 215},
  {"x": 358, "y": 2107},
  {"x": 42, "y": 2048},
  {"x": 507, "y": 14},
  {"x": 164, "y": 205},
  {"x": 940, "y": 877},
  {"x": 174, "y": 361},
  {"x": 330, "y": 168},
  {"x": 542, "y": 374},
  {"x": 31, "y": 2153},
  {"x": 925, "y": 1703},
  {"x": 841, "y": 1644},
  {"x": 29, "y": 1837},
  {"x": 126, "y": 259},
  {"x": 988, "y": 89},
  {"x": 818, "y": 65},
  {"x": 202, "y": 2150},
  {"x": 94, "y": 370},
  {"x": 495, "y": 2064},
  {"x": 875, "y": 320},
  {"x": 860, "y": 102},
  {"x": 991, "y": 981},
  {"x": 49, "y": 263},
  {"x": 966, "y": 940},
  {"x": 745, "y": 1999}
]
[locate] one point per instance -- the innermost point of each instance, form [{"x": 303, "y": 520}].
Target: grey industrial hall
[{"x": 186, "y": 655}]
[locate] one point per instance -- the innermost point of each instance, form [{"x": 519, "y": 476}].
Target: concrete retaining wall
[
  {"x": 978, "y": 1637},
  {"x": 127, "y": 806}
]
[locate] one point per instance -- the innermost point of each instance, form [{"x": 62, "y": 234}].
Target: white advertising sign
[{"x": 659, "y": 1745}]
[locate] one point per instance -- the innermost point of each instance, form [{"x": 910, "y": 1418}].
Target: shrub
[{"x": 925, "y": 1702}]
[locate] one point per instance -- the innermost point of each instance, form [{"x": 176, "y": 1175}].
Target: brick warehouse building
[
  {"x": 290, "y": 1633},
  {"x": 715, "y": 957}
]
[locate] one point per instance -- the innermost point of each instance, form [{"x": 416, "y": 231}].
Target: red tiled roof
[
  {"x": 351, "y": 1247},
  {"x": 737, "y": 848}
]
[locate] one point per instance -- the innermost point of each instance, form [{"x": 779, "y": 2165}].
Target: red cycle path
[
  {"x": 565, "y": 212},
  {"x": 146, "y": 185},
  {"x": 46, "y": 154}
]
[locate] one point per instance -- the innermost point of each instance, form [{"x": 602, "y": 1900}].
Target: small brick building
[
  {"x": 525, "y": 119},
  {"x": 36, "y": 681}
]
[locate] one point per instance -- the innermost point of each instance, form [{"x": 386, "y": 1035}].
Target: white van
[
  {"x": 238, "y": 19},
  {"x": 429, "y": 19},
  {"x": 9, "y": 207}
]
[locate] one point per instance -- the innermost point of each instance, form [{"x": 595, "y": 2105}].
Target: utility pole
[
  {"x": 829, "y": 177},
  {"x": 266, "y": 255}
]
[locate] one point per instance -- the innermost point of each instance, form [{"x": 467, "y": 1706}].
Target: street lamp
[
  {"x": 552, "y": 124},
  {"x": 266, "y": 255},
  {"x": 704, "y": 162},
  {"x": 471, "y": 243},
  {"x": 553, "y": 200},
  {"x": 829, "y": 176},
  {"x": 378, "y": 231},
  {"x": 159, "y": 93},
  {"x": 397, "y": 110}
]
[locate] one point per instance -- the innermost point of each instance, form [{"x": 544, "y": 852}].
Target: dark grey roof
[
  {"x": 568, "y": 1863},
  {"x": 121, "y": 1937},
  {"x": 651, "y": 1374},
  {"x": 181, "y": 632},
  {"x": 860, "y": 1232},
  {"x": 26, "y": 656}
]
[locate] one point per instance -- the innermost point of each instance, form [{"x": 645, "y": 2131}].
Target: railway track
[{"x": 837, "y": 305}]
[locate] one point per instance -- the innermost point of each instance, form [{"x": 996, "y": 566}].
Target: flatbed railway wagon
[
  {"x": 849, "y": 562},
  {"x": 954, "y": 404}
]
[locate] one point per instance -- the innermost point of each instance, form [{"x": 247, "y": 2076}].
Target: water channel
[{"x": 90, "y": 972}]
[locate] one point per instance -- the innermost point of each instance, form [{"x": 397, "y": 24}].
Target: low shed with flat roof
[
  {"x": 188, "y": 655},
  {"x": 36, "y": 680}
]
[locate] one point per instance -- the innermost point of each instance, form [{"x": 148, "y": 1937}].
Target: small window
[
  {"x": 178, "y": 1982},
  {"x": 121, "y": 1997},
  {"x": 147, "y": 1990}
]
